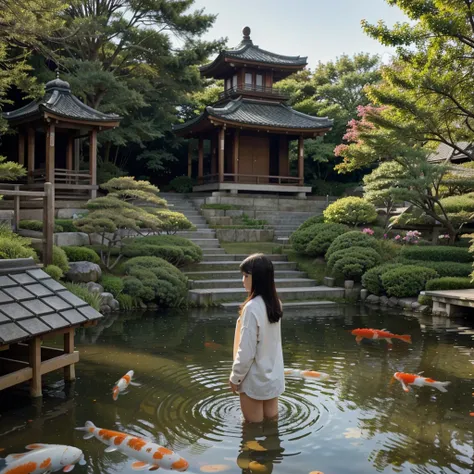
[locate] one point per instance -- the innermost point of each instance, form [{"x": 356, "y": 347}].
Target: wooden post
[
  {"x": 93, "y": 160},
  {"x": 50, "y": 153},
  {"x": 235, "y": 155},
  {"x": 221, "y": 146},
  {"x": 69, "y": 153},
  {"x": 35, "y": 364},
  {"x": 200, "y": 159},
  {"x": 48, "y": 224},
  {"x": 69, "y": 370},
  {"x": 77, "y": 157},
  {"x": 301, "y": 160},
  {"x": 190, "y": 158},
  {"x": 16, "y": 209},
  {"x": 213, "y": 155},
  {"x": 21, "y": 148},
  {"x": 31, "y": 154}
]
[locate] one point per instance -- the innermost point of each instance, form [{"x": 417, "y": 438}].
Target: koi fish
[
  {"x": 43, "y": 458},
  {"x": 416, "y": 379},
  {"x": 307, "y": 373},
  {"x": 379, "y": 334},
  {"x": 122, "y": 384},
  {"x": 213, "y": 345},
  {"x": 149, "y": 455}
]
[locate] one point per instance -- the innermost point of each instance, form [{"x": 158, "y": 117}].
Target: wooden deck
[{"x": 452, "y": 302}]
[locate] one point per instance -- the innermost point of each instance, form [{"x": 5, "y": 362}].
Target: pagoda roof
[
  {"x": 59, "y": 101},
  {"x": 248, "y": 53},
  {"x": 255, "y": 113}
]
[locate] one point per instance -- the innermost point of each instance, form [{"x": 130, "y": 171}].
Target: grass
[
  {"x": 248, "y": 248},
  {"x": 315, "y": 269}
]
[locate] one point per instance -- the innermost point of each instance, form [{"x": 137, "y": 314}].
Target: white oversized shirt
[{"x": 258, "y": 356}]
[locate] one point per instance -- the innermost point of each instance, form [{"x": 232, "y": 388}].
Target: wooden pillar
[
  {"x": 301, "y": 160},
  {"x": 48, "y": 224},
  {"x": 16, "y": 210},
  {"x": 200, "y": 159},
  {"x": 69, "y": 153},
  {"x": 213, "y": 154},
  {"x": 21, "y": 148},
  {"x": 235, "y": 155},
  {"x": 35, "y": 364},
  {"x": 31, "y": 154},
  {"x": 69, "y": 371},
  {"x": 221, "y": 145},
  {"x": 190, "y": 158},
  {"x": 50, "y": 153},
  {"x": 93, "y": 160}
]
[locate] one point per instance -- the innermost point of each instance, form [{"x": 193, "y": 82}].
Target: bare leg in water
[{"x": 256, "y": 410}]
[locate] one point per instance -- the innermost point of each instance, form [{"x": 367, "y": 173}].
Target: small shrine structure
[
  {"x": 248, "y": 130},
  {"x": 34, "y": 306},
  {"x": 49, "y": 130}
]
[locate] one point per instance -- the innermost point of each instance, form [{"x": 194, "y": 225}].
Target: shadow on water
[{"x": 354, "y": 422}]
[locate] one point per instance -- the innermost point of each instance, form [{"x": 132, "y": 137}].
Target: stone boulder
[
  {"x": 105, "y": 309},
  {"x": 65, "y": 239},
  {"x": 106, "y": 298},
  {"x": 392, "y": 302},
  {"x": 83, "y": 272},
  {"x": 94, "y": 287},
  {"x": 384, "y": 300},
  {"x": 114, "y": 305},
  {"x": 373, "y": 299}
]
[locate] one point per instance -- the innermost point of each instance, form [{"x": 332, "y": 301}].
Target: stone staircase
[{"x": 217, "y": 281}]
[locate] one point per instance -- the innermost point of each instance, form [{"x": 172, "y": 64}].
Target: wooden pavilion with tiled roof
[
  {"x": 34, "y": 306},
  {"x": 250, "y": 127}
]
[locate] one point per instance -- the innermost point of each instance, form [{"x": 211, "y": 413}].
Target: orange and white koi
[
  {"x": 149, "y": 455},
  {"x": 418, "y": 381},
  {"x": 379, "y": 334},
  {"x": 307, "y": 373},
  {"x": 43, "y": 458},
  {"x": 122, "y": 384}
]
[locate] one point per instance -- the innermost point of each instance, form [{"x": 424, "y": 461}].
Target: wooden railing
[
  {"x": 63, "y": 176},
  {"x": 252, "y": 179},
  {"x": 256, "y": 90}
]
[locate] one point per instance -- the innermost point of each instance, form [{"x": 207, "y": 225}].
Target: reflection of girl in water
[
  {"x": 258, "y": 373},
  {"x": 261, "y": 447}
]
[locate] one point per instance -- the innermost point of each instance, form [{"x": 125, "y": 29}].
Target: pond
[{"x": 354, "y": 422}]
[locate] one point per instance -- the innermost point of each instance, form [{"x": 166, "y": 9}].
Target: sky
[{"x": 319, "y": 29}]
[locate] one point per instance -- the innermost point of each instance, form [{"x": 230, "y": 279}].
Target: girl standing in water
[{"x": 257, "y": 372}]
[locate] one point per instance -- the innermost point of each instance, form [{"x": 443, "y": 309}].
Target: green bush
[
  {"x": 436, "y": 253},
  {"x": 126, "y": 302},
  {"x": 353, "y": 262},
  {"x": 449, "y": 283},
  {"x": 154, "y": 279},
  {"x": 60, "y": 259},
  {"x": 455, "y": 204},
  {"x": 320, "y": 236},
  {"x": 112, "y": 284},
  {"x": 407, "y": 280},
  {"x": 38, "y": 226},
  {"x": 372, "y": 279},
  {"x": 444, "y": 269},
  {"x": 11, "y": 247},
  {"x": 172, "y": 221},
  {"x": 182, "y": 184},
  {"x": 54, "y": 272},
  {"x": 66, "y": 224},
  {"x": 425, "y": 300},
  {"x": 389, "y": 249},
  {"x": 81, "y": 254},
  {"x": 81, "y": 291},
  {"x": 351, "y": 211},
  {"x": 310, "y": 222},
  {"x": 353, "y": 238}
]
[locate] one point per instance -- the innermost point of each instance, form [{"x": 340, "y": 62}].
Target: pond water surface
[{"x": 354, "y": 422}]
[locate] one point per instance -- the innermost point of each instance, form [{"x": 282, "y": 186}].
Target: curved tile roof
[{"x": 59, "y": 100}]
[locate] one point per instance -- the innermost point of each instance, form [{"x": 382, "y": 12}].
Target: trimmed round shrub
[
  {"x": 112, "y": 284},
  {"x": 60, "y": 259},
  {"x": 172, "y": 221},
  {"x": 182, "y": 184},
  {"x": 449, "y": 283},
  {"x": 444, "y": 269},
  {"x": 16, "y": 248},
  {"x": 455, "y": 204},
  {"x": 66, "y": 224},
  {"x": 351, "y": 211},
  {"x": 407, "y": 280},
  {"x": 314, "y": 240},
  {"x": 81, "y": 254},
  {"x": 436, "y": 253},
  {"x": 353, "y": 262},
  {"x": 311, "y": 221},
  {"x": 54, "y": 272},
  {"x": 38, "y": 226},
  {"x": 353, "y": 238},
  {"x": 372, "y": 279}
]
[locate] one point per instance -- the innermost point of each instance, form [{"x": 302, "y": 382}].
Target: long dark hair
[{"x": 263, "y": 284}]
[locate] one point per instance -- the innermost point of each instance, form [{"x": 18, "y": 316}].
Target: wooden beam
[
  {"x": 48, "y": 224},
  {"x": 31, "y": 154},
  {"x": 69, "y": 370},
  {"x": 301, "y": 160},
  {"x": 9, "y": 364},
  {"x": 15, "y": 378},
  {"x": 235, "y": 154},
  {"x": 93, "y": 160},
  {"x": 50, "y": 152},
  {"x": 190, "y": 158},
  {"x": 60, "y": 362},
  {"x": 35, "y": 364},
  {"x": 200, "y": 158},
  {"x": 21, "y": 148},
  {"x": 4, "y": 348},
  {"x": 221, "y": 148}
]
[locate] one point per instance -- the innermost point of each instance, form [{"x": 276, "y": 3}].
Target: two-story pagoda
[{"x": 249, "y": 128}]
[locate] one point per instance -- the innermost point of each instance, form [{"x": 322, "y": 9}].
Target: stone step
[
  {"x": 236, "y": 275},
  {"x": 204, "y": 297},
  {"x": 282, "y": 233},
  {"x": 239, "y": 258},
  {"x": 234, "y": 265},
  {"x": 197, "y": 234},
  {"x": 237, "y": 283},
  {"x": 282, "y": 240},
  {"x": 206, "y": 243},
  {"x": 214, "y": 251},
  {"x": 291, "y": 306}
]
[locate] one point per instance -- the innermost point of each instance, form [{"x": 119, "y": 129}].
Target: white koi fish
[
  {"x": 122, "y": 384},
  {"x": 307, "y": 373},
  {"x": 149, "y": 455},
  {"x": 43, "y": 458},
  {"x": 418, "y": 381}
]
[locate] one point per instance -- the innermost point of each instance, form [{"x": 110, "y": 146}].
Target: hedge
[
  {"x": 60, "y": 225},
  {"x": 351, "y": 211},
  {"x": 351, "y": 239},
  {"x": 372, "y": 279},
  {"x": 353, "y": 262},
  {"x": 444, "y": 269},
  {"x": 449, "y": 283},
  {"x": 436, "y": 253},
  {"x": 81, "y": 254},
  {"x": 112, "y": 284},
  {"x": 54, "y": 272},
  {"x": 407, "y": 280}
]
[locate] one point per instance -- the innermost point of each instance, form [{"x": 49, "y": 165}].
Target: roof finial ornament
[
  {"x": 57, "y": 73},
  {"x": 246, "y": 33}
]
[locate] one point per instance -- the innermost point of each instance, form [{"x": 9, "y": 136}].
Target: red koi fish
[
  {"x": 42, "y": 459},
  {"x": 378, "y": 334},
  {"x": 149, "y": 455},
  {"x": 122, "y": 384},
  {"x": 418, "y": 381}
]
